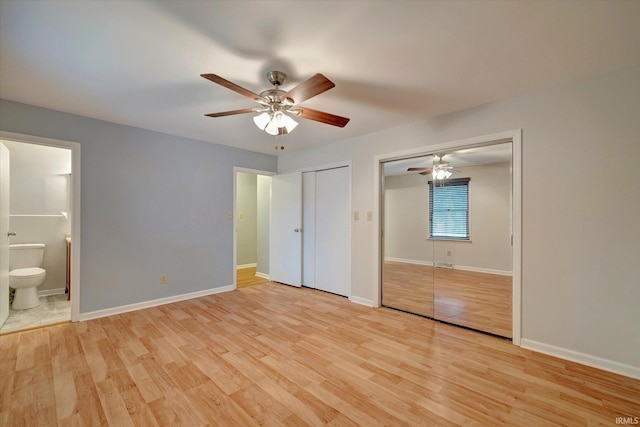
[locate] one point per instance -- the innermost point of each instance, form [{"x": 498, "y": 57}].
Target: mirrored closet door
[
  {"x": 447, "y": 237},
  {"x": 407, "y": 267}
]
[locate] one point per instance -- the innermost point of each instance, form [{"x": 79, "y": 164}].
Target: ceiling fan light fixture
[
  {"x": 441, "y": 173},
  {"x": 290, "y": 124},
  {"x": 272, "y": 127},
  {"x": 262, "y": 120}
]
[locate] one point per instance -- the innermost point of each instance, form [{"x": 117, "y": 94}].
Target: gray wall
[
  {"x": 152, "y": 204},
  {"x": 40, "y": 186},
  {"x": 247, "y": 221},
  {"x": 580, "y": 227}
]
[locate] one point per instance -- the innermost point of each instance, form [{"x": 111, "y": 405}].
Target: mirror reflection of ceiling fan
[
  {"x": 278, "y": 107},
  {"x": 440, "y": 169}
]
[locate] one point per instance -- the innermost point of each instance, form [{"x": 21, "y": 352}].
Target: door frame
[
  {"x": 513, "y": 136},
  {"x": 75, "y": 207},
  {"x": 234, "y": 213}
]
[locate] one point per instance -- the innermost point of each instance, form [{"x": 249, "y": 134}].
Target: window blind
[{"x": 449, "y": 209}]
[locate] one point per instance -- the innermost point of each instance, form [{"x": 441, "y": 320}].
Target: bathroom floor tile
[{"x": 52, "y": 309}]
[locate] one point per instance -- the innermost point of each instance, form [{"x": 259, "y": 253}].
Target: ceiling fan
[
  {"x": 278, "y": 107},
  {"x": 440, "y": 170}
]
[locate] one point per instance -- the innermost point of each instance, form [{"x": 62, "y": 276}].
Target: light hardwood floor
[
  {"x": 247, "y": 277},
  {"x": 275, "y": 355},
  {"x": 476, "y": 300}
]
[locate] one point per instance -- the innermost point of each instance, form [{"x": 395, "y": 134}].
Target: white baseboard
[
  {"x": 582, "y": 358},
  {"x": 48, "y": 292},
  {"x": 408, "y": 261},
  {"x": 455, "y": 266},
  {"x": 483, "y": 270},
  {"x": 362, "y": 301},
  {"x": 262, "y": 275},
  {"x": 241, "y": 266},
  {"x": 152, "y": 303}
]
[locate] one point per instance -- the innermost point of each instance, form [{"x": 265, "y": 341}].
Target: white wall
[
  {"x": 407, "y": 213},
  {"x": 247, "y": 221},
  {"x": 580, "y": 228},
  {"x": 40, "y": 183}
]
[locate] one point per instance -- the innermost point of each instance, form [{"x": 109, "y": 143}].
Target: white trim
[
  {"x": 48, "y": 292},
  {"x": 75, "y": 207},
  {"x": 516, "y": 219},
  {"x": 408, "y": 261},
  {"x": 262, "y": 275},
  {"x": 243, "y": 266},
  {"x": 482, "y": 270},
  {"x": 152, "y": 303},
  {"x": 582, "y": 358},
  {"x": 515, "y": 137},
  {"x": 362, "y": 301},
  {"x": 234, "y": 212}
]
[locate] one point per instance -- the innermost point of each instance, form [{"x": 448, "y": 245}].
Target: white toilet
[{"x": 25, "y": 274}]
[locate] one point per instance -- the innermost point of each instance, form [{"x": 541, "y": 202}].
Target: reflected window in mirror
[{"x": 449, "y": 209}]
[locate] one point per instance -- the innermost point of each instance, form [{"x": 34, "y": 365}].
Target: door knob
[{"x": 11, "y": 233}]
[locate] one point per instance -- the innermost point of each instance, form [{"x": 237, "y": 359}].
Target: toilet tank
[{"x": 25, "y": 255}]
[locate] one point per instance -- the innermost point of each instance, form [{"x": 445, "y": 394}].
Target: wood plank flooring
[
  {"x": 247, "y": 277},
  {"x": 476, "y": 300},
  {"x": 271, "y": 354}
]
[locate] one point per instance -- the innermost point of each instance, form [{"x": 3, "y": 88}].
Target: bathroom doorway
[
  {"x": 43, "y": 207},
  {"x": 251, "y": 217}
]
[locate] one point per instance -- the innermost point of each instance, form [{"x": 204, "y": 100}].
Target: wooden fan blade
[
  {"x": 427, "y": 172},
  {"x": 319, "y": 116},
  {"x": 419, "y": 169},
  {"x": 309, "y": 88},
  {"x": 233, "y": 112},
  {"x": 234, "y": 87}
]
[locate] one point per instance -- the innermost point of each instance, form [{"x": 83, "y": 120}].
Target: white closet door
[
  {"x": 333, "y": 231},
  {"x": 285, "y": 243},
  {"x": 309, "y": 229}
]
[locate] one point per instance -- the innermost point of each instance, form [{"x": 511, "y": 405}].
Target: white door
[
  {"x": 4, "y": 233},
  {"x": 285, "y": 245},
  {"x": 333, "y": 231}
]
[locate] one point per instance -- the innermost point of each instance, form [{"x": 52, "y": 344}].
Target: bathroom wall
[
  {"x": 40, "y": 178},
  {"x": 264, "y": 219},
  {"x": 247, "y": 218}
]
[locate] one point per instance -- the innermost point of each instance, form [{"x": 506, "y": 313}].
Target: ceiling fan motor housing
[{"x": 276, "y": 78}]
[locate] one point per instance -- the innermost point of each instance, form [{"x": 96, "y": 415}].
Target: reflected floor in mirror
[
  {"x": 475, "y": 300},
  {"x": 52, "y": 309}
]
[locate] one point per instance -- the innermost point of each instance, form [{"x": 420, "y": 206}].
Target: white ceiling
[{"x": 138, "y": 62}]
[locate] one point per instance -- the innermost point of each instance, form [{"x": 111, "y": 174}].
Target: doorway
[
  {"x": 43, "y": 207},
  {"x": 251, "y": 216},
  {"x": 449, "y": 245}
]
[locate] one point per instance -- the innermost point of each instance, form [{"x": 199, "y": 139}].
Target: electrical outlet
[
  {"x": 369, "y": 216},
  {"x": 229, "y": 215},
  {"x": 356, "y": 215},
  {"x": 448, "y": 253},
  {"x": 241, "y": 215},
  {"x": 163, "y": 279}
]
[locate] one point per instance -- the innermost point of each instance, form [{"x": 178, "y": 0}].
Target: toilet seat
[{"x": 24, "y": 273}]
